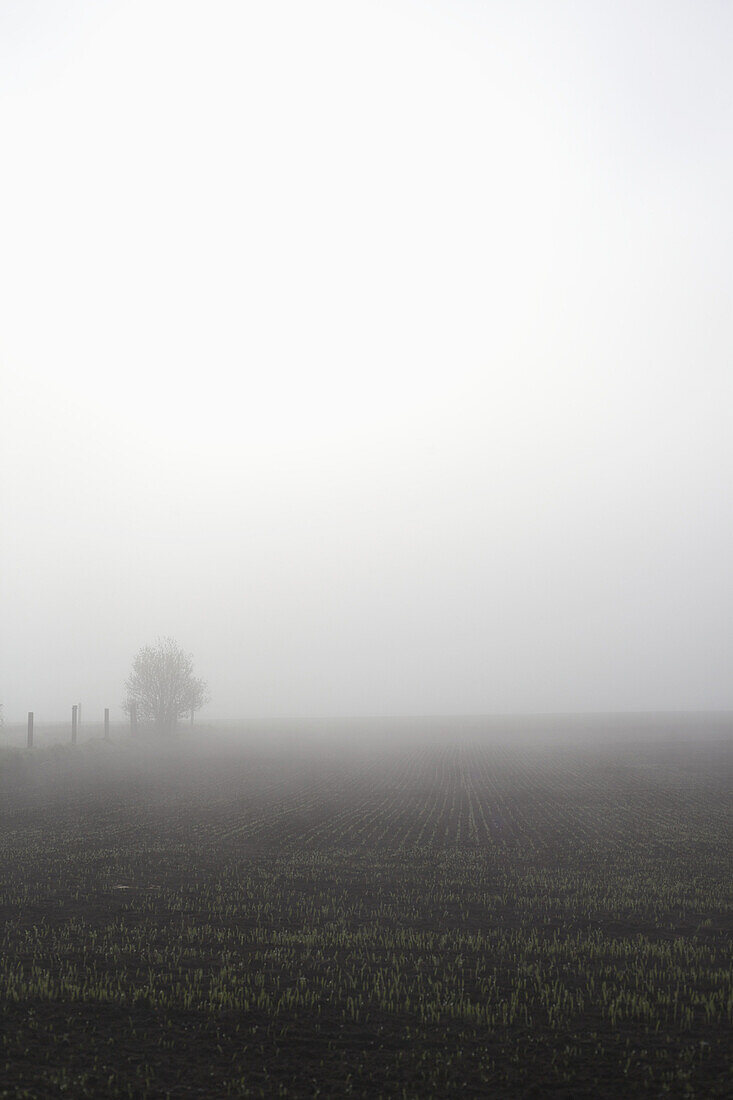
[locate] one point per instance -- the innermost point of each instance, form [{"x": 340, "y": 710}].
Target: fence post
[
  {"x": 30, "y": 729},
  {"x": 106, "y": 723},
  {"x": 133, "y": 719},
  {"x": 74, "y": 722}
]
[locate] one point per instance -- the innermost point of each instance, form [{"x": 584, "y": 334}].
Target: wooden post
[
  {"x": 30, "y": 729},
  {"x": 133, "y": 719},
  {"x": 106, "y": 723},
  {"x": 78, "y": 715},
  {"x": 74, "y": 722}
]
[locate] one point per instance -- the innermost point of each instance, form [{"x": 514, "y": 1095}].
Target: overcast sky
[{"x": 379, "y": 352}]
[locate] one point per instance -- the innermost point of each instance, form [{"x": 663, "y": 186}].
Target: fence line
[{"x": 32, "y": 729}]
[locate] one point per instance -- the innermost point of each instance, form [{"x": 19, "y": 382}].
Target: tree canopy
[{"x": 162, "y": 685}]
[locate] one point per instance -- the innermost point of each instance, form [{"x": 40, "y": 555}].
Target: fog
[{"x": 380, "y": 353}]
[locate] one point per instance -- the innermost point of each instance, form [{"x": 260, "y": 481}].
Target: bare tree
[{"x": 162, "y": 685}]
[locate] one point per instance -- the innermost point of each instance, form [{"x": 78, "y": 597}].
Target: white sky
[{"x": 380, "y": 352}]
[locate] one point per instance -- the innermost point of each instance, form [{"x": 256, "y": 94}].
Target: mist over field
[
  {"x": 411, "y": 907},
  {"x": 378, "y": 353},
  {"x": 366, "y": 528}
]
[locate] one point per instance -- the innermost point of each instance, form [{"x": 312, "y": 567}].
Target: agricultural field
[{"x": 447, "y": 910}]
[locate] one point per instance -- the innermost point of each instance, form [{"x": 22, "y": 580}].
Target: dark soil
[{"x": 462, "y": 920}]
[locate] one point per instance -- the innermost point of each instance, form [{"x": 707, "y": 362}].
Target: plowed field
[{"x": 454, "y": 915}]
